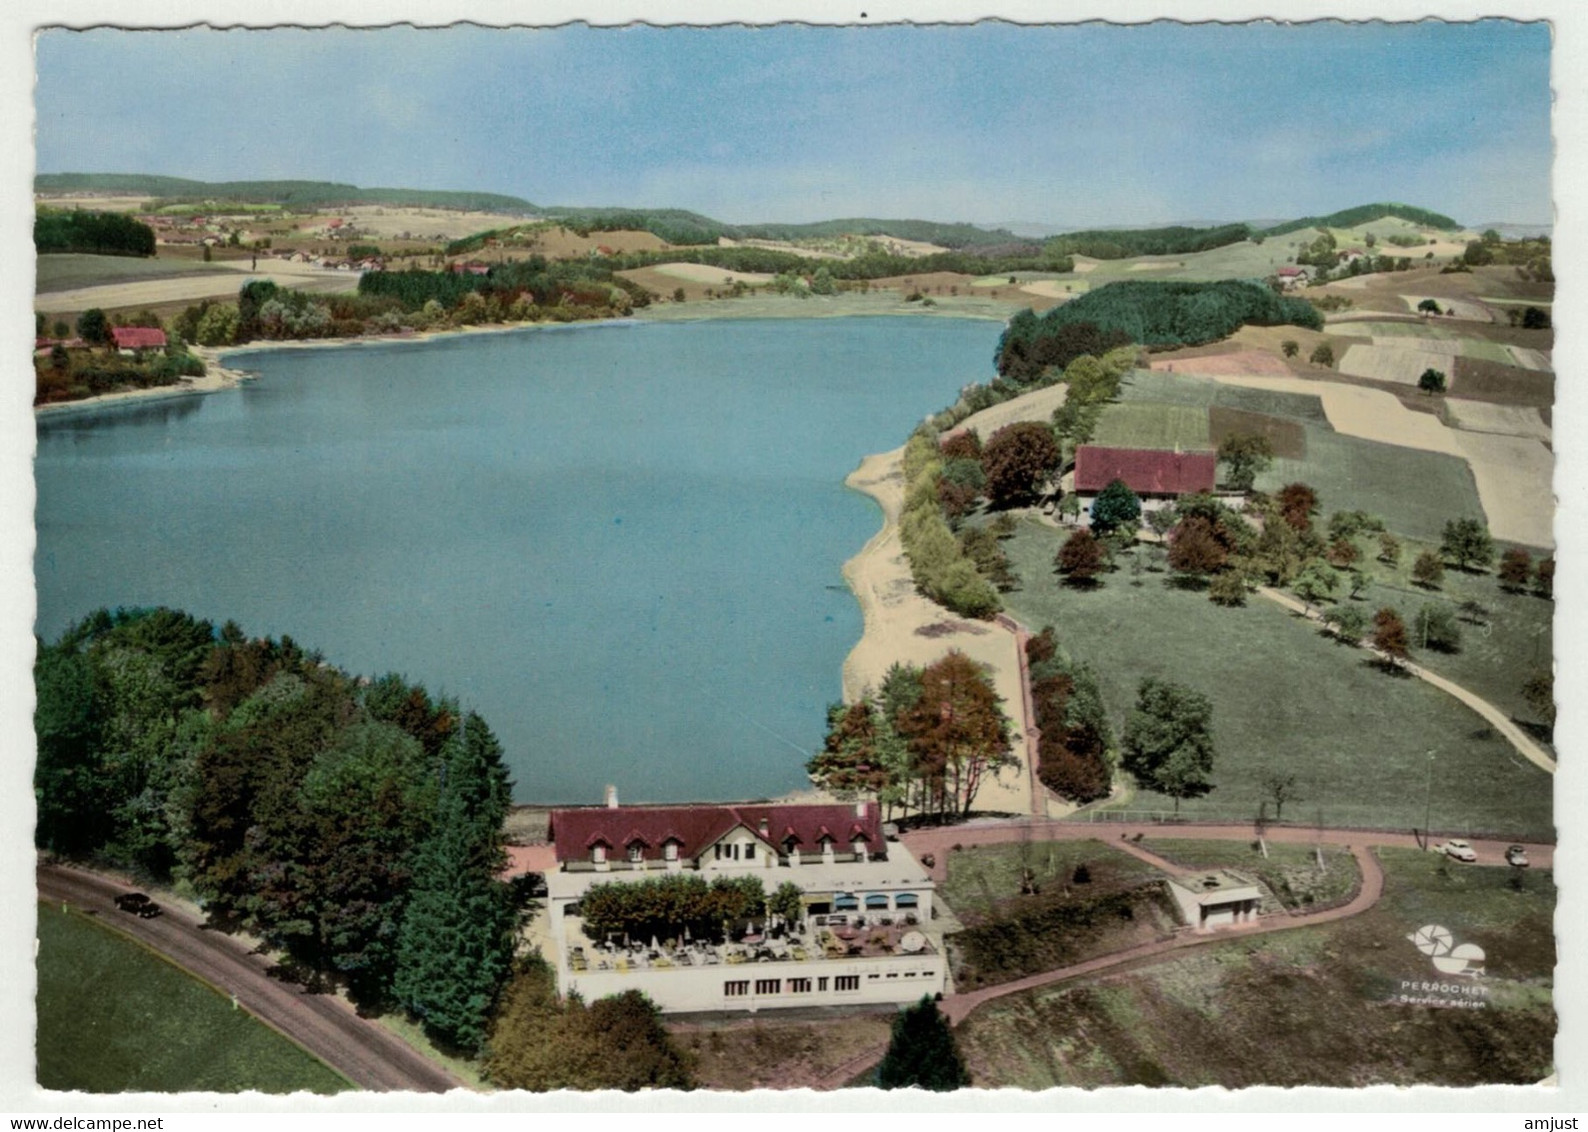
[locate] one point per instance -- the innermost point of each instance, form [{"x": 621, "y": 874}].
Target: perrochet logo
[{"x": 1449, "y": 957}]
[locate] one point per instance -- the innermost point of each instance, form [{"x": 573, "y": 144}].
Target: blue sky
[{"x": 992, "y": 122}]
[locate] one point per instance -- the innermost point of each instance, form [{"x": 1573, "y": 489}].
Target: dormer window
[
  {"x": 598, "y": 854},
  {"x": 636, "y": 853},
  {"x": 670, "y": 851}
]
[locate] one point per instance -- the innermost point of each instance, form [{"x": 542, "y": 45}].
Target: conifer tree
[
  {"x": 922, "y": 1053},
  {"x": 456, "y": 943}
]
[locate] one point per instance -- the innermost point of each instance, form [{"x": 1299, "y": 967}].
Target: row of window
[
  {"x": 739, "y": 988},
  {"x": 875, "y": 901}
]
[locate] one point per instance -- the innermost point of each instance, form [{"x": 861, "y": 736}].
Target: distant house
[
  {"x": 1157, "y": 477},
  {"x": 130, "y": 339},
  {"x": 473, "y": 267},
  {"x": 1290, "y": 276},
  {"x": 864, "y": 934},
  {"x": 1351, "y": 255}
]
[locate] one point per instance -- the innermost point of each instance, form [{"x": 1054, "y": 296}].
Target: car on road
[
  {"x": 1516, "y": 855},
  {"x": 138, "y": 904},
  {"x": 1460, "y": 850}
]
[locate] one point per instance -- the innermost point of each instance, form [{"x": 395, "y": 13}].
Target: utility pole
[{"x": 1428, "y": 804}]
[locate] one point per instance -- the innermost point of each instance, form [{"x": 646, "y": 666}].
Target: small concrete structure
[{"x": 1215, "y": 899}]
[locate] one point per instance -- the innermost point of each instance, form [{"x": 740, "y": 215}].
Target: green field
[
  {"x": 69, "y": 272},
  {"x": 1413, "y": 491},
  {"x": 1153, "y": 424},
  {"x": 1285, "y": 695},
  {"x": 1290, "y": 871},
  {"x": 1188, "y": 389},
  {"x": 981, "y": 877},
  {"x": 1313, "y": 1006},
  {"x": 1495, "y": 657},
  {"x": 114, "y": 1018}
]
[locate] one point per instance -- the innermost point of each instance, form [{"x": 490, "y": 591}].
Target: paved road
[
  {"x": 323, "y": 1024},
  {"x": 939, "y": 842}
]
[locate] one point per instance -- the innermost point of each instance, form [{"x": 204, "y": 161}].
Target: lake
[{"x": 620, "y": 544}]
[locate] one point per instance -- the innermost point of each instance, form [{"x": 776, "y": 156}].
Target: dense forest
[
  {"x": 354, "y": 824},
  {"x": 1365, "y": 214},
  {"x": 1153, "y": 313},
  {"x": 92, "y": 233},
  {"x": 1124, "y": 243}
]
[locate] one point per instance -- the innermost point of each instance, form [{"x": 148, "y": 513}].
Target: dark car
[
  {"x": 1516, "y": 855},
  {"x": 131, "y": 901}
]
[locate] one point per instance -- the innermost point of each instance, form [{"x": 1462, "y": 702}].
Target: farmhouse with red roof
[
  {"x": 129, "y": 339},
  {"x": 863, "y": 933},
  {"x": 1157, "y": 477}
]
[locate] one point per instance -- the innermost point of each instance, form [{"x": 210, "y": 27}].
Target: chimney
[
  {"x": 860, "y": 809},
  {"x": 765, "y": 826},
  {"x": 612, "y": 797}
]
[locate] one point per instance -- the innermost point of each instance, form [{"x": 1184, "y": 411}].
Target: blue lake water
[{"x": 621, "y": 544}]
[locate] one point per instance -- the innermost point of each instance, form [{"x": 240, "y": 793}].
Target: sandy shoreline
[{"x": 902, "y": 626}]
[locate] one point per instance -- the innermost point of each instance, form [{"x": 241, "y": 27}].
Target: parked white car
[{"x": 1461, "y": 851}]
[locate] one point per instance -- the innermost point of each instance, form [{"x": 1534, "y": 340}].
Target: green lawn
[
  {"x": 1314, "y": 1006},
  {"x": 1415, "y": 492},
  {"x": 1153, "y": 424},
  {"x": 1290, "y": 871},
  {"x": 1496, "y": 657},
  {"x": 1285, "y": 695},
  {"x": 114, "y": 1018},
  {"x": 981, "y": 877},
  {"x": 69, "y": 272},
  {"x": 1189, "y": 389}
]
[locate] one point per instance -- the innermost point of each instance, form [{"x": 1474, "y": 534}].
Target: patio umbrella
[
  {"x": 686, "y": 934},
  {"x": 654, "y": 945}
]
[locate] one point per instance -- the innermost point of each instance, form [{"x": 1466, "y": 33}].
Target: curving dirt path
[
  {"x": 1525, "y": 746},
  {"x": 323, "y": 1024},
  {"x": 959, "y": 1006}
]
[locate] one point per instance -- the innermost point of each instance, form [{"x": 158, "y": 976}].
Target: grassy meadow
[
  {"x": 1313, "y": 1006},
  {"x": 981, "y": 878},
  {"x": 1291, "y": 872},
  {"x": 1413, "y": 491},
  {"x": 1285, "y": 696},
  {"x": 68, "y": 272},
  {"x": 114, "y": 1018}
]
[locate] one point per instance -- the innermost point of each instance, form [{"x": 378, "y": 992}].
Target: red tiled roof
[
  {"x": 695, "y": 828},
  {"x": 1146, "y": 472},
  {"x": 137, "y": 337},
  {"x": 1288, "y": 271}
]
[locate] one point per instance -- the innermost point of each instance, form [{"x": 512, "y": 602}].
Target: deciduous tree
[
  {"x": 1516, "y": 568},
  {"x": 1168, "y": 740},
  {"x": 1389, "y": 636},
  {"x": 1247, "y": 455},
  {"x": 1080, "y": 559},
  {"x": 1468, "y": 543},
  {"x": 1429, "y": 570},
  {"x": 957, "y": 732},
  {"x": 1018, "y": 460}
]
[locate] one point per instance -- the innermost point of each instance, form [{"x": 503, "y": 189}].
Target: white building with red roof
[
  {"x": 132, "y": 338},
  {"x": 865, "y": 935},
  {"x": 1157, "y": 477}
]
